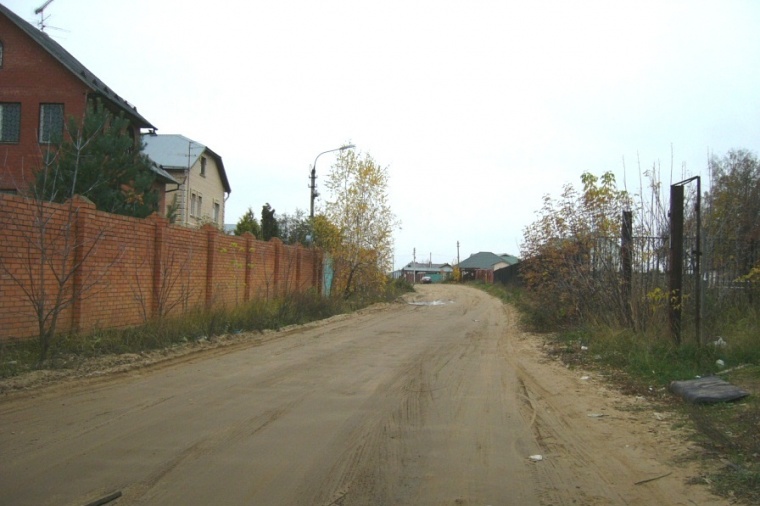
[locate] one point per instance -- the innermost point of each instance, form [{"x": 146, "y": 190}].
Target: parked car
[{"x": 425, "y": 280}]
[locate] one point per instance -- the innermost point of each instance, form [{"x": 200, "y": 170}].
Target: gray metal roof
[
  {"x": 482, "y": 260},
  {"x": 97, "y": 86},
  {"x": 174, "y": 151},
  {"x": 426, "y": 267},
  {"x": 162, "y": 174}
]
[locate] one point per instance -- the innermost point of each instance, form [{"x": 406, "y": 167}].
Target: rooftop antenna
[{"x": 41, "y": 11}]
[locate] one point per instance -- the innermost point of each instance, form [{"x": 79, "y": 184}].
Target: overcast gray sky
[{"x": 477, "y": 108}]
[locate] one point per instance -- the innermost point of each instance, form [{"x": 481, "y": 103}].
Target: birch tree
[{"x": 358, "y": 207}]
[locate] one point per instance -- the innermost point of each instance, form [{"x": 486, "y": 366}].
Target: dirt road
[{"x": 438, "y": 402}]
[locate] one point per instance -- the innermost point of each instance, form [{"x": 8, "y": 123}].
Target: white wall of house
[{"x": 205, "y": 194}]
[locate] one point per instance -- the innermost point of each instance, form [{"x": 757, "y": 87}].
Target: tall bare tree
[{"x": 48, "y": 269}]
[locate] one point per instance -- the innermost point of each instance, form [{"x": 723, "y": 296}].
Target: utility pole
[
  {"x": 457, "y": 252},
  {"x": 414, "y": 265}
]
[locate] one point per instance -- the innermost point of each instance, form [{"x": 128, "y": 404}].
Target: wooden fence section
[{"x": 118, "y": 271}]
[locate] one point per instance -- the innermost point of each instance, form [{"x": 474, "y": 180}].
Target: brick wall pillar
[
  {"x": 299, "y": 282},
  {"x": 211, "y": 235},
  {"x": 318, "y": 257},
  {"x": 277, "y": 246},
  {"x": 78, "y": 209},
  {"x": 313, "y": 283},
  {"x": 159, "y": 251},
  {"x": 249, "y": 241},
  {"x": 313, "y": 271}
]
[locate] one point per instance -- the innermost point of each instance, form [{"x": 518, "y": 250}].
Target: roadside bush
[
  {"x": 569, "y": 258},
  {"x": 643, "y": 355},
  {"x": 739, "y": 328},
  {"x": 17, "y": 356},
  {"x": 395, "y": 288}
]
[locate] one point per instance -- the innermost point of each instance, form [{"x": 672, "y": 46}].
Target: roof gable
[
  {"x": 74, "y": 66},
  {"x": 174, "y": 151}
]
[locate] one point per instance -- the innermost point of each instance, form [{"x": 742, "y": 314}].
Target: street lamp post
[{"x": 313, "y": 177}]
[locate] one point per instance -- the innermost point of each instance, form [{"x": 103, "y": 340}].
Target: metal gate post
[{"x": 675, "y": 296}]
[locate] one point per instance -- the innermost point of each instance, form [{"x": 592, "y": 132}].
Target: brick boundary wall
[{"x": 122, "y": 271}]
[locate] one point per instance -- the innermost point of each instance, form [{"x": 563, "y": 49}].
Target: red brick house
[{"x": 41, "y": 86}]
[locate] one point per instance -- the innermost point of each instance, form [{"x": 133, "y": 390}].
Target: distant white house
[{"x": 203, "y": 185}]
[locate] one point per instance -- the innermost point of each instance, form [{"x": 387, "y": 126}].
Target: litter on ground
[{"x": 707, "y": 390}]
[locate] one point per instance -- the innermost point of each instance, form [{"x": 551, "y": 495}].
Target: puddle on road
[{"x": 431, "y": 303}]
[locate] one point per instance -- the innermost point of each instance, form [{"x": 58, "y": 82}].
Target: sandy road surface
[{"x": 429, "y": 404}]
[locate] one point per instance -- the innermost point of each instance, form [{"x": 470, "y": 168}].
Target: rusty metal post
[
  {"x": 675, "y": 296},
  {"x": 698, "y": 264},
  {"x": 626, "y": 259}
]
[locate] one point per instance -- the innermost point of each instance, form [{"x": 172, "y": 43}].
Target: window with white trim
[
  {"x": 196, "y": 205},
  {"x": 51, "y": 123},
  {"x": 217, "y": 212},
  {"x": 203, "y": 166},
  {"x": 10, "y": 122}
]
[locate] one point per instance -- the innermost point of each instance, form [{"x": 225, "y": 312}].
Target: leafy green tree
[
  {"x": 248, "y": 223},
  {"x": 269, "y": 226},
  {"x": 358, "y": 207},
  {"x": 98, "y": 159},
  {"x": 732, "y": 217},
  {"x": 294, "y": 228}
]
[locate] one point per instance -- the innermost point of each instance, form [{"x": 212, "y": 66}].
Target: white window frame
[
  {"x": 193, "y": 203},
  {"x": 217, "y": 212},
  {"x": 196, "y": 204}
]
